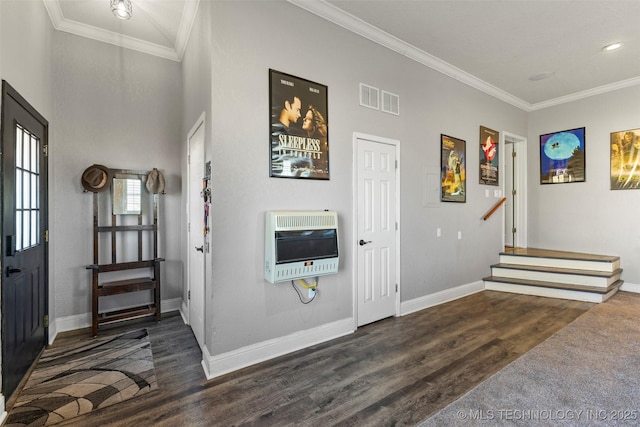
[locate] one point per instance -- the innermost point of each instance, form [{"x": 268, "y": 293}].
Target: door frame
[
  {"x": 200, "y": 122},
  {"x": 520, "y": 203},
  {"x": 354, "y": 238}
]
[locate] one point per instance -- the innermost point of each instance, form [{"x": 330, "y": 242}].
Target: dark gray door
[{"x": 24, "y": 237}]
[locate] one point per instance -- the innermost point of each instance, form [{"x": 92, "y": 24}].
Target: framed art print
[
  {"x": 453, "y": 169},
  {"x": 489, "y": 160},
  {"x": 625, "y": 159},
  {"x": 299, "y": 130},
  {"x": 562, "y": 157}
]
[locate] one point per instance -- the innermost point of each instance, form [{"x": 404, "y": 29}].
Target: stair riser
[
  {"x": 548, "y": 292},
  {"x": 571, "y": 279},
  {"x": 560, "y": 263}
]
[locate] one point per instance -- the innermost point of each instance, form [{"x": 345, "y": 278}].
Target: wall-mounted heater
[{"x": 299, "y": 244}]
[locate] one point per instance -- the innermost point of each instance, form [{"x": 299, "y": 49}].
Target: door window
[{"x": 27, "y": 189}]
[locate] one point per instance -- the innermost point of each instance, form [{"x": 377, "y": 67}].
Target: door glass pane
[
  {"x": 34, "y": 156},
  {"x": 18, "y": 189},
  {"x": 27, "y": 189},
  {"x": 18, "y": 146}
]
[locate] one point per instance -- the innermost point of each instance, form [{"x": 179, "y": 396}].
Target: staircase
[{"x": 556, "y": 274}]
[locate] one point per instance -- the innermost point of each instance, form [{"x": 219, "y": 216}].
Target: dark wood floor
[{"x": 394, "y": 372}]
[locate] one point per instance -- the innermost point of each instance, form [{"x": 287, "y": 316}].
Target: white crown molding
[
  {"x": 339, "y": 17},
  {"x": 73, "y": 27},
  {"x": 356, "y": 25},
  {"x": 186, "y": 25},
  {"x": 586, "y": 93}
]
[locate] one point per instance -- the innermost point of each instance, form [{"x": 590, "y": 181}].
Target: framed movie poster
[
  {"x": 299, "y": 134},
  {"x": 562, "y": 157},
  {"x": 625, "y": 159},
  {"x": 453, "y": 169},
  {"x": 489, "y": 161}
]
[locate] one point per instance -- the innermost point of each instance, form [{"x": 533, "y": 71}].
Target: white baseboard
[
  {"x": 441, "y": 297},
  {"x": 630, "y": 287},
  {"x": 80, "y": 321},
  {"x": 3, "y": 414},
  {"x": 184, "y": 312},
  {"x": 220, "y": 364}
]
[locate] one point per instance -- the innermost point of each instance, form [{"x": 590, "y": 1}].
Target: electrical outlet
[
  {"x": 312, "y": 293},
  {"x": 459, "y": 235},
  {"x": 438, "y": 232}
]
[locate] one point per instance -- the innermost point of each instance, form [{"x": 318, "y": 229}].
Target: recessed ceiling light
[
  {"x": 541, "y": 76},
  {"x": 613, "y": 46}
]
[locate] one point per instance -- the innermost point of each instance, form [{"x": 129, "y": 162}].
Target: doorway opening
[{"x": 514, "y": 165}]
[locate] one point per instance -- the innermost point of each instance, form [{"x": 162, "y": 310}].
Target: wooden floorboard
[{"x": 397, "y": 371}]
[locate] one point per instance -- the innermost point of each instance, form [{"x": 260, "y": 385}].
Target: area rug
[
  {"x": 586, "y": 374},
  {"x": 74, "y": 380}
]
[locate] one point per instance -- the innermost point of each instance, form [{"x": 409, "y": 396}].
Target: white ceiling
[{"x": 493, "y": 45}]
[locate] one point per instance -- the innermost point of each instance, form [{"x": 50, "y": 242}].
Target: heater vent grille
[{"x": 293, "y": 221}]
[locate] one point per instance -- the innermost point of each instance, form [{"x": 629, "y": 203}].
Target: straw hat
[
  {"x": 96, "y": 178},
  {"x": 155, "y": 182}
]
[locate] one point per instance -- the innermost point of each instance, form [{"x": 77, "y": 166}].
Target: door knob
[
  {"x": 200, "y": 249},
  {"x": 362, "y": 242}
]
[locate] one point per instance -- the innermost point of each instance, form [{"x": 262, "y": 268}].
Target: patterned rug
[{"x": 77, "y": 379}]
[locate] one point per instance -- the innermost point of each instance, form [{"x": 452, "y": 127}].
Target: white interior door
[
  {"x": 196, "y": 239},
  {"x": 515, "y": 190},
  {"x": 509, "y": 208},
  {"x": 376, "y": 239}
]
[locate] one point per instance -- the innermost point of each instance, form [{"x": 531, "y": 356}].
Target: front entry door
[
  {"x": 376, "y": 241},
  {"x": 24, "y": 237}
]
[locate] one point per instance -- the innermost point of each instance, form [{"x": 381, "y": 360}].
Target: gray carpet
[{"x": 587, "y": 374}]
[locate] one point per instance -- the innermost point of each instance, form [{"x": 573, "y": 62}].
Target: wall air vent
[
  {"x": 390, "y": 103},
  {"x": 369, "y": 96}
]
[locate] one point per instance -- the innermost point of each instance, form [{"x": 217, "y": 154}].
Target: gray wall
[
  {"x": 26, "y": 63},
  {"x": 119, "y": 108},
  {"x": 251, "y": 37},
  {"x": 589, "y": 216}
]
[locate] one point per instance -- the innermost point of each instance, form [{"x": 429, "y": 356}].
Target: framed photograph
[
  {"x": 562, "y": 157},
  {"x": 489, "y": 160},
  {"x": 625, "y": 159},
  {"x": 453, "y": 169},
  {"x": 299, "y": 130}
]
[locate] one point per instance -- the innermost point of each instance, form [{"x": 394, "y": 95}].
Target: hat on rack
[
  {"x": 155, "y": 182},
  {"x": 96, "y": 178}
]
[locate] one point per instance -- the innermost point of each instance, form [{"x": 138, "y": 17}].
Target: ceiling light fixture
[
  {"x": 612, "y": 46},
  {"x": 122, "y": 9}
]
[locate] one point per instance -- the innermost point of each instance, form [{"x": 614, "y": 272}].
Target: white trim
[
  {"x": 221, "y": 364},
  {"x": 441, "y": 297},
  {"x": 349, "y": 22},
  {"x": 585, "y": 94},
  {"x": 189, "y": 12},
  {"x": 3, "y": 414},
  {"x": 630, "y": 287},
  {"x": 521, "y": 223},
  {"x": 186, "y": 26},
  {"x": 81, "y": 321},
  {"x": 396, "y": 143},
  {"x": 339, "y": 17},
  {"x": 199, "y": 123},
  {"x": 539, "y": 291},
  {"x": 184, "y": 312}
]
